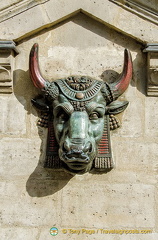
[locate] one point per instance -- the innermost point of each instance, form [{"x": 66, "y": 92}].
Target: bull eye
[
  {"x": 62, "y": 116},
  {"x": 94, "y": 116}
]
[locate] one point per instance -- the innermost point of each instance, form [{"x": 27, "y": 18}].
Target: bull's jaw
[
  {"x": 77, "y": 162},
  {"x": 77, "y": 169}
]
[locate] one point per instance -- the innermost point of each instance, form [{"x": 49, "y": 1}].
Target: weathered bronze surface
[{"x": 79, "y": 113}]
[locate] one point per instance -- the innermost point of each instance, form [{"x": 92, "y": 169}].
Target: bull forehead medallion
[{"x": 79, "y": 113}]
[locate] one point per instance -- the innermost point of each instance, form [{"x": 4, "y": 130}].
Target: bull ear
[
  {"x": 117, "y": 107},
  {"x": 40, "y": 105}
]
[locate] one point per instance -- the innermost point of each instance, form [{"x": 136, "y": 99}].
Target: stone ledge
[{"x": 8, "y": 46}]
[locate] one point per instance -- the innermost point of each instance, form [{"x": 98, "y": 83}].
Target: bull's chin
[{"x": 76, "y": 165}]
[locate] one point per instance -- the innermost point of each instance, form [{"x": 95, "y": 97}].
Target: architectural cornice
[
  {"x": 8, "y": 10},
  {"x": 151, "y": 47},
  {"x": 145, "y": 9},
  {"x": 49, "y": 13},
  {"x": 8, "y": 46}
]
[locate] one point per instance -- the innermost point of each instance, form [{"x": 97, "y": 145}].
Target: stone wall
[{"x": 77, "y": 39}]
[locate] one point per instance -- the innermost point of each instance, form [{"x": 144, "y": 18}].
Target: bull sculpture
[{"x": 79, "y": 113}]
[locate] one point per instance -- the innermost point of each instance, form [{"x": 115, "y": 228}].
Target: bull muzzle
[{"x": 77, "y": 151}]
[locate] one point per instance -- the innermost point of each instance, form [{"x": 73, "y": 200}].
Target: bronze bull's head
[{"x": 79, "y": 111}]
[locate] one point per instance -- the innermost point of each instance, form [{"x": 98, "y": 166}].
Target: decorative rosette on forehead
[{"x": 79, "y": 83}]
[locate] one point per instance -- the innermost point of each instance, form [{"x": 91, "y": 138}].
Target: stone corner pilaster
[
  {"x": 7, "y": 53},
  {"x": 152, "y": 69}
]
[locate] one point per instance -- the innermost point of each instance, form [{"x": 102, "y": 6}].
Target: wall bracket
[{"x": 152, "y": 68}]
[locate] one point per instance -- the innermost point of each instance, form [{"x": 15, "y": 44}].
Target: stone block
[
  {"x": 151, "y": 116},
  {"x": 20, "y": 209},
  {"x": 13, "y": 116},
  {"x": 136, "y": 155},
  {"x": 156, "y": 208},
  {"x": 150, "y": 236},
  {"x": 132, "y": 122},
  {"x": 18, "y": 233},
  {"x": 122, "y": 175},
  {"x": 117, "y": 206},
  {"x": 12, "y": 189},
  {"x": 18, "y": 157},
  {"x": 23, "y": 21}
]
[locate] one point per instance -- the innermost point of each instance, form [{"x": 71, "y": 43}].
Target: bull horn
[
  {"x": 35, "y": 73},
  {"x": 122, "y": 83}
]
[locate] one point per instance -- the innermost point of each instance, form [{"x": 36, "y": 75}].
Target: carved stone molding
[
  {"x": 9, "y": 10},
  {"x": 143, "y": 8},
  {"x": 7, "y": 52},
  {"x": 152, "y": 69}
]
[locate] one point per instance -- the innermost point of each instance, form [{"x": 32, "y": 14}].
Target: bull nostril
[
  {"x": 76, "y": 141},
  {"x": 88, "y": 147},
  {"x": 66, "y": 147},
  {"x": 77, "y": 148}
]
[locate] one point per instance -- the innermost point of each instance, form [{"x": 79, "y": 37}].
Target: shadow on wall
[
  {"x": 24, "y": 90},
  {"x": 42, "y": 182}
]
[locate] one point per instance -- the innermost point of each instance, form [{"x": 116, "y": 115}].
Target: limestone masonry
[{"x": 85, "y": 38}]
